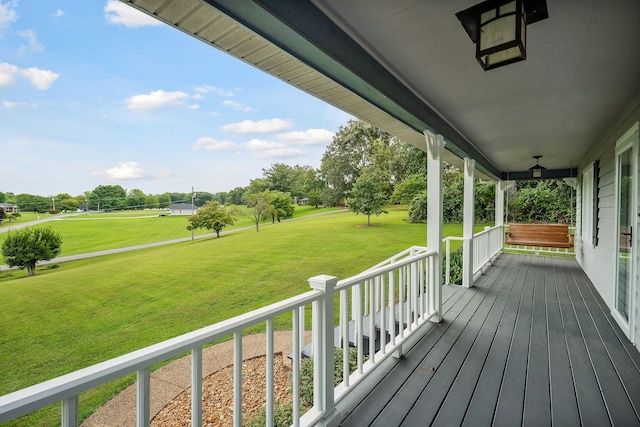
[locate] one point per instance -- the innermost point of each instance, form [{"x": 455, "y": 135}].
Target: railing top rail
[
  {"x": 373, "y": 272},
  {"x": 28, "y": 399},
  {"x": 399, "y": 255}
]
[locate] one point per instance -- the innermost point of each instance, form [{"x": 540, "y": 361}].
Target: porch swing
[{"x": 539, "y": 237}]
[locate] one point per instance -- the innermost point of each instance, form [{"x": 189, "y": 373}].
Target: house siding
[{"x": 599, "y": 262}]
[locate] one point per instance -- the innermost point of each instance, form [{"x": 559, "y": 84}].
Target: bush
[
  {"x": 54, "y": 211},
  {"x": 283, "y": 414},
  {"x": 455, "y": 267}
]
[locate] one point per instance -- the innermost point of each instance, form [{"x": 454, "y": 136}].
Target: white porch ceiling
[{"x": 412, "y": 66}]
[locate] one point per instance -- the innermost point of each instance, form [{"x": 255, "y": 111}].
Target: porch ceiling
[{"x": 408, "y": 65}]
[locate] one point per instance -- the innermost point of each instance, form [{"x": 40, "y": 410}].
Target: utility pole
[
  {"x": 53, "y": 203},
  {"x": 193, "y": 198}
]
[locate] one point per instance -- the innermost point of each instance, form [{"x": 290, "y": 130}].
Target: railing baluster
[
  {"x": 359, "y": 335},
  {"x": 344, "y": 334},
  {"x": 70, "y": 412},
  {"x": 196, "y": 387},
  {"x": 237, "y": 378},
  {"x": 143, "y": 393},
  {"x": 392, "y": 305},
  {"x": 269, "y": 372},
  {"x": 295, "y": 364},
  {"x": 372, "y": 322}
]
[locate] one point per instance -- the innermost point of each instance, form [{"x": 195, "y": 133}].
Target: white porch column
[
  {"x": 435, "y": 145},
  {"x": 469, "y": 212},
  {"x": 499, "y": 209}
]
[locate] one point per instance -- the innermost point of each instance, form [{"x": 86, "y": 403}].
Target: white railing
[
  {"x": 486, "y": 245},
  {"x": 388, "y": 304}
]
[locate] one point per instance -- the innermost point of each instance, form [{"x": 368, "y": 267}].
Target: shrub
[{"x": 455, "y": 267}]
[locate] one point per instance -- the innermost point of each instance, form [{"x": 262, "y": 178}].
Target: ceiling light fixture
[
  {"x": 499, "y": 29},
  {"x": 536, "y": 171}
]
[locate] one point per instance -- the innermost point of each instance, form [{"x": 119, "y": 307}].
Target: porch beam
[
  {"x": 469, "y": 213},
  {"x": 547, "y": 174},
  {"x": 435, "y": 146}
]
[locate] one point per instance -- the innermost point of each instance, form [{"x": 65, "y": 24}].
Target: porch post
[
  {"x": 499, "y": 220},
  {"x": 435, "y": 145},
  {"x": 467, "y": 234}
]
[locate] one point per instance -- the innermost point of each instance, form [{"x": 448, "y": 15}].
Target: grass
[
  {"x": 95, "y": 232},
  {"x": 88, "y": 311}
]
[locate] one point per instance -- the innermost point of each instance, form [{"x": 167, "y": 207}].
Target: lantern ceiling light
[
  {"x": 499, "y": 29},
  {"x": 536, "y": 170}
]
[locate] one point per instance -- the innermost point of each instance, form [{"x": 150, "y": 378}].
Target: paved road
[{"x": 137, "y": 247}]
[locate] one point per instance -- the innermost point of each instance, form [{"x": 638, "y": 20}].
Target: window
[{"x": 590, "y": 204}]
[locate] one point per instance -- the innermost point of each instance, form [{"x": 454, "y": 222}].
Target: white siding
[{"x": 599, "y": 261}]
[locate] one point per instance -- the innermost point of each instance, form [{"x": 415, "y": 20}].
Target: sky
[{"x": 94, "y": 92}]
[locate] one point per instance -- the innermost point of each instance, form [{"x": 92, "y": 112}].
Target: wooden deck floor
[{"x": 532, "y": 344}]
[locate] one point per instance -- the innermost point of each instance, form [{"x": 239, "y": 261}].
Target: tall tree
[
  {"x": 259, "y": 206},
  {"x": 164, "y": 200},
  {"x": 367, "y": 195},
  {"x": 283, "y": 206},
  {"x": 135, "y": 199},
  {"x": 235, "y": 196},
  {"x": 354, "y": 146},
  {"x": 23, "y": 248},
  {"x": 211, "y": 216},
  {"x": 66, "y": 203},
  {"x": 107, "y": 197}
]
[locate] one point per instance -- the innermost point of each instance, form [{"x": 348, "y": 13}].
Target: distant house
[
  {"x": 182, "y": 209},
  {"x": 9, "y": 207}
]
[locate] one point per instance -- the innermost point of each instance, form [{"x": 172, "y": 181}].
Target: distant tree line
[{"x": 391, "y": 171}]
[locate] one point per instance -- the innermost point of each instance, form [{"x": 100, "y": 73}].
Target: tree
[
  {"x": 151, "y": 202},
  {"x": 367, "y": 195},
  {"x": 135, "y": 199},
  {"x": 418, "y": 208},
  {"x": 211, "y": 216},
  {"x": 260, "y": 206},
  {"x": 106, "y": 197},
  {"x": 354, "y": 146},
  {"x": 283, "y": 206},
  {"x": 164, "y": 200},
  {"x": 3, "y": 215},
  {"x": 405, "y": 191},
  {"x": 25, "y": 247},
  {"x": 31, "y": 203},
  {"x": 235, "y": 196},
  {"x": 315, "y": 198},
  {"x": 66, "y": 203}
]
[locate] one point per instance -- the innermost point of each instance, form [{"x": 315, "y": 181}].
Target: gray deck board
[{"x": 531, "y": 344}]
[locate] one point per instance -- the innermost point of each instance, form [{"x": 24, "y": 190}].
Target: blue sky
[{"x": 94, "y": 92}]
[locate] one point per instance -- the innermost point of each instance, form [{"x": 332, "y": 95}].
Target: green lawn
[
  {"x": 92, "y": 310},
  {"x": 89, "y": 233}
]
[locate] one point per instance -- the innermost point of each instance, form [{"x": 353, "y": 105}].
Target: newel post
[{"x": 323, "y": 344}]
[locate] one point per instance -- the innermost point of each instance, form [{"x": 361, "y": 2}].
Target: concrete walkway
[{"x": 172, "y": 379}]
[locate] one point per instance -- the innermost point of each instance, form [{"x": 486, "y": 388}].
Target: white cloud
[
  {"x": 119, "y": 13},
  {"x": 8, "y": 74},
  {"x": 261, "y": 126},
  {"x": 210, "y": 144},
  {"x": 33, "y": 45},
  {"x": 264, "y": 149},
  {"x": 12, "y": 104},
  {"x": 306, "y": 137},
  {"x": 125, "y": 171},
  {"x": 41, "y": 79},
  {"x": 8, "y": 14},
  {"x": 238, "y": 106},
  {"x": 155, "y": 100},
  {"x": 58, "y": 13},
  {"x": 215, "y": 90},
  {"x": 193, "y": 106}
]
